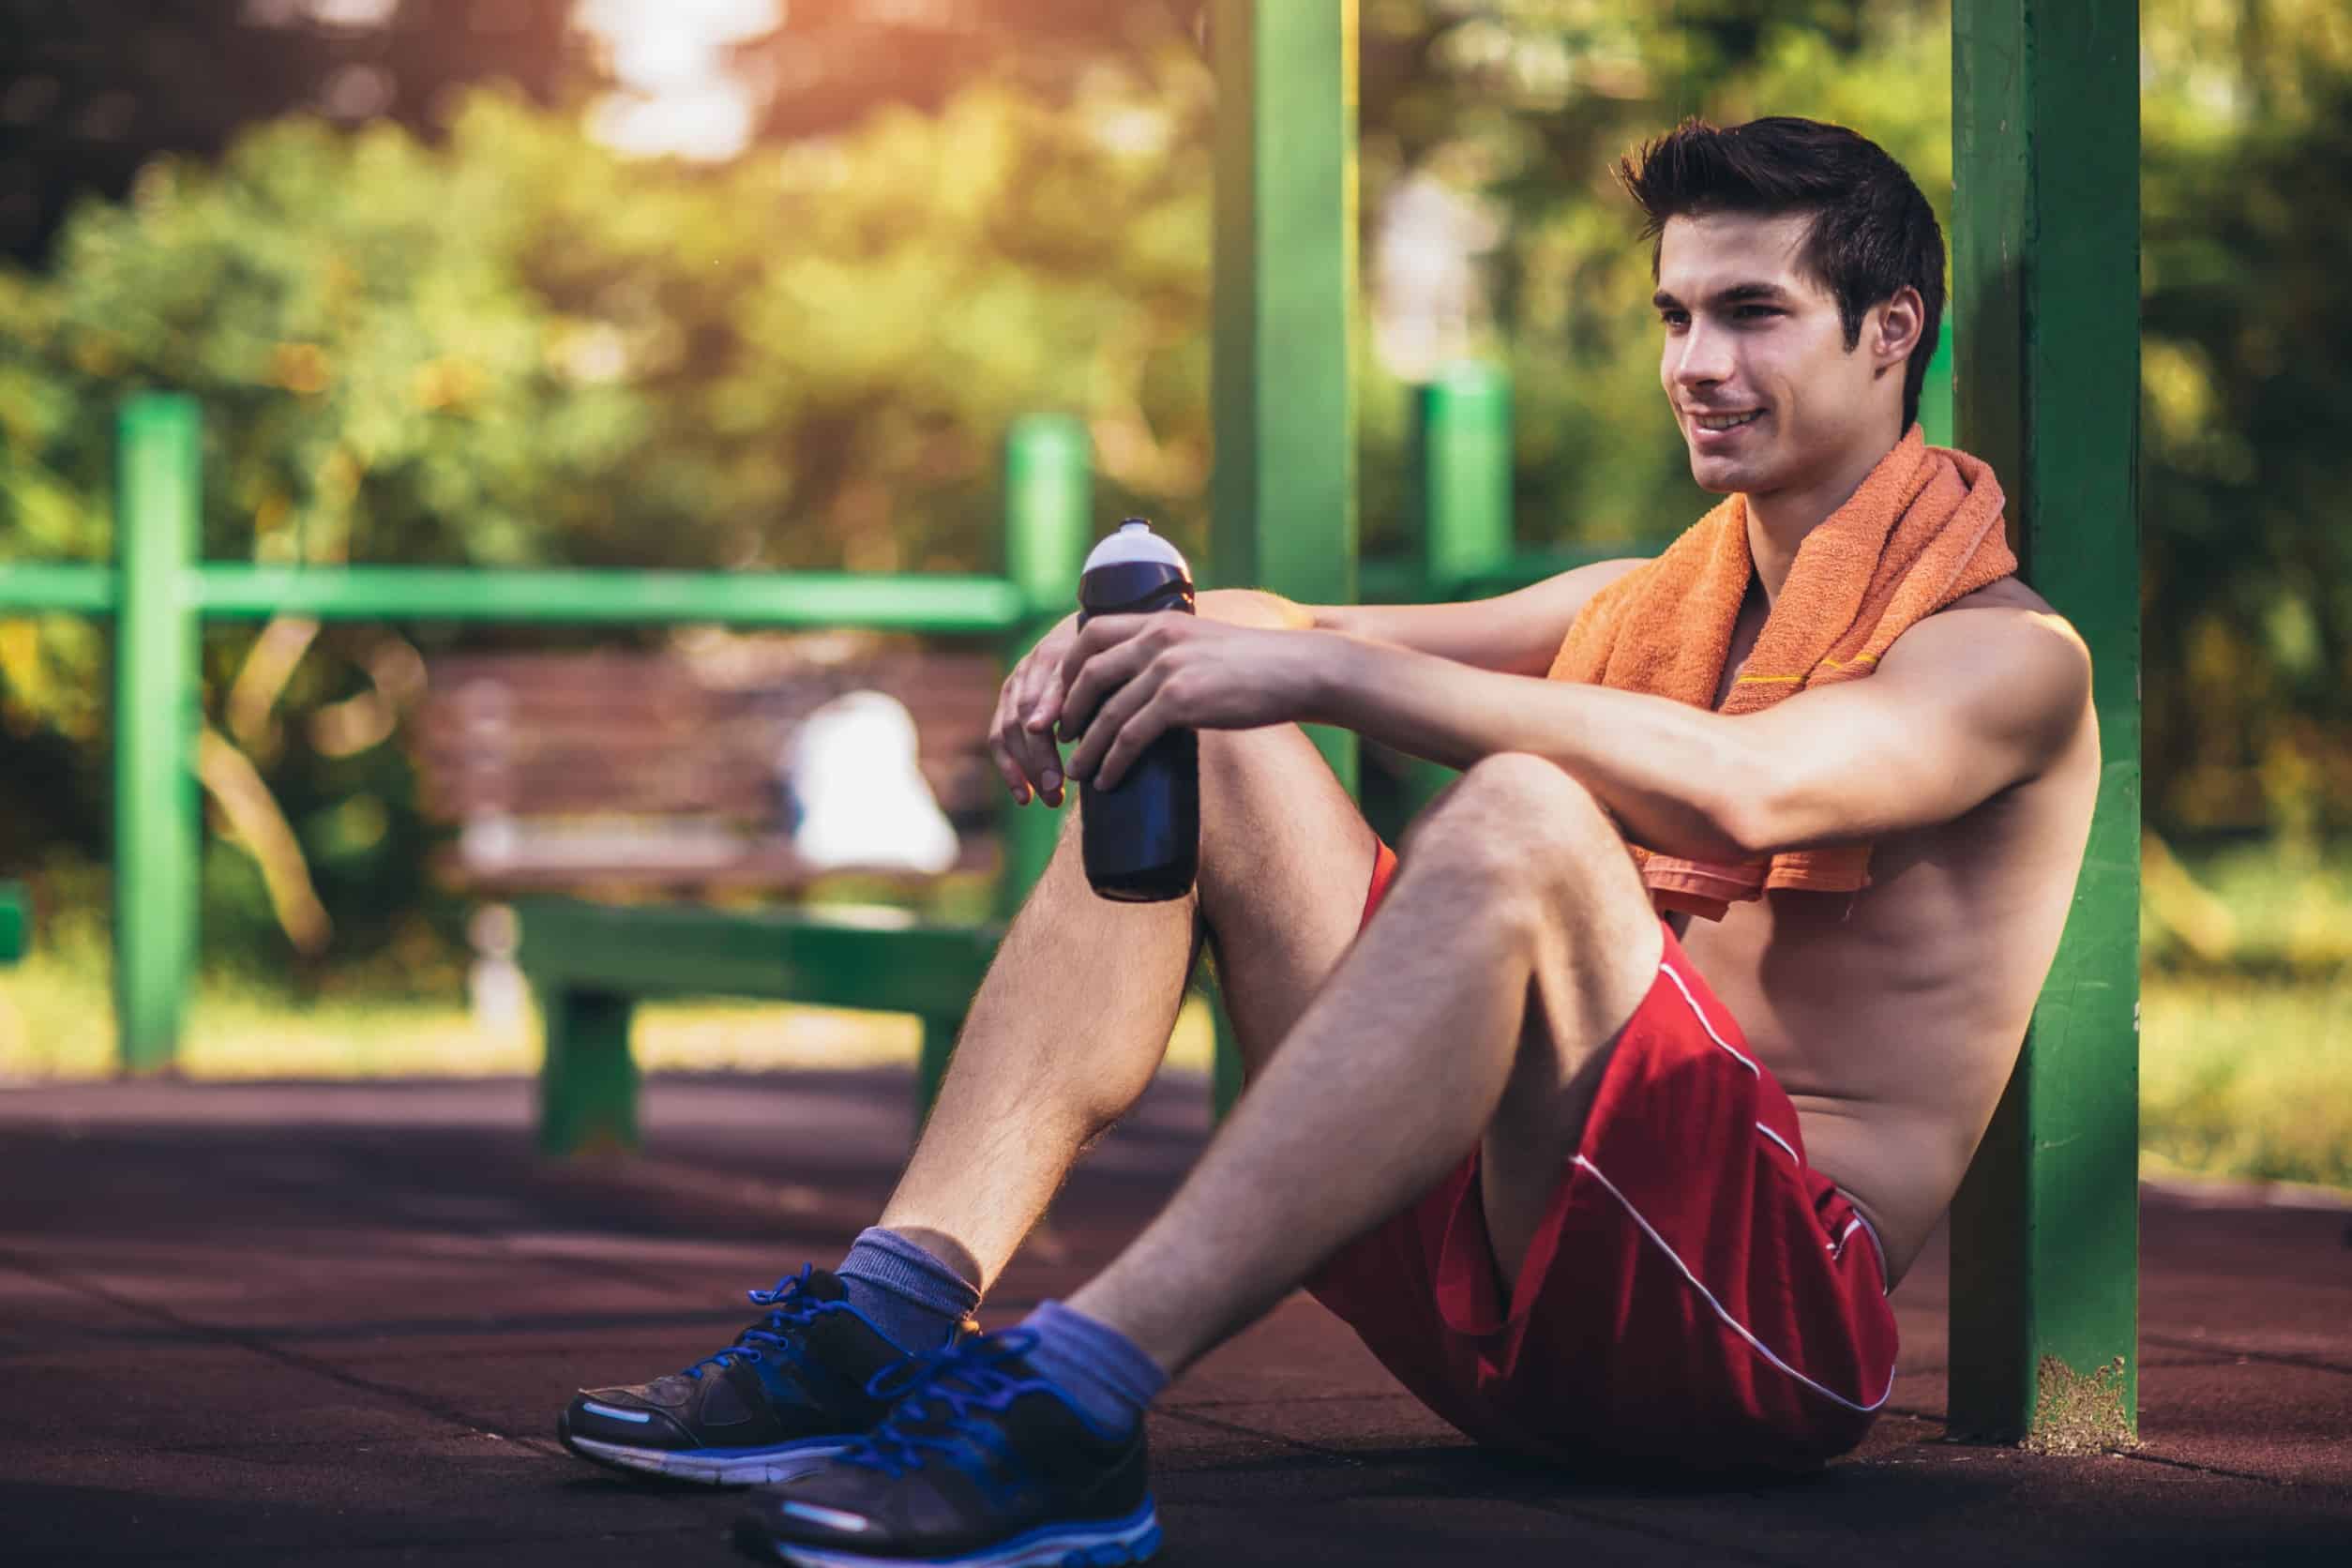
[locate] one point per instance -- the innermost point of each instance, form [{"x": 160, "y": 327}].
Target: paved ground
[{"x": 334, "y": 1324}]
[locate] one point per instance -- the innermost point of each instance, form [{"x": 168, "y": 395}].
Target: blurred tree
[
  {"x": 518, "y": 347},
  {"x": 828, "y": 64},
  {"x": 2247, "y": 366},
  {"x": 91, "y": 89},
  {"x": 504, "y": 343}
]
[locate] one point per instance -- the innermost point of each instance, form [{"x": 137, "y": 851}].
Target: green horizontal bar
[
  {"x": 673, "y": 950},
  {"x": 29, "y": 587},
  {"x": 609, "y": 597}
]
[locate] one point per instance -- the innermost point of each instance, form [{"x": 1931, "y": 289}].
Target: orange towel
[{"x": 1923, "y": 529}]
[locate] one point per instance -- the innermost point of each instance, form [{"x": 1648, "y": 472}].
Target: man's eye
[
  {"x": 1756, "y": 312},
  {"x": 1675, "y": 318}
]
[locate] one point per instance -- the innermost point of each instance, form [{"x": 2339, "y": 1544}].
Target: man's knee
[
  {"x": 1267, "y": 786},
  {"x": 1519, "y": 825}
]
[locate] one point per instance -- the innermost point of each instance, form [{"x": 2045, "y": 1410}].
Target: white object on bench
[{"x": 851, "y": 766}]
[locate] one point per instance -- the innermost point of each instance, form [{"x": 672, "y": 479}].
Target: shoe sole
[
  {"x": 1132, "y": 1539},
  {"x": 706, "y": 1467}
]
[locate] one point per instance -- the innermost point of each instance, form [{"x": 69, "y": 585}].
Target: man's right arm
[{"x": 1512, "y": 634}]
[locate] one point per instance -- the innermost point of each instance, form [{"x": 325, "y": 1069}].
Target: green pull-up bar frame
[
  {"x": 159, "y": 595},
  {"x": 2046, "y": 248}
]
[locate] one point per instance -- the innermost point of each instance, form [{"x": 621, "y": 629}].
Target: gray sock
[
  {"x": 1106, "y": 1374},
  {"x": 916, "y": 1299}
]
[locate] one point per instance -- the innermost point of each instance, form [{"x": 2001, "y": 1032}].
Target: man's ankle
[{"x": 912, "y": 1297}]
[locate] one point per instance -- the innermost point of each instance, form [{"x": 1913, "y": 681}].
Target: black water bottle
[{"x": 1141, "y": 836}]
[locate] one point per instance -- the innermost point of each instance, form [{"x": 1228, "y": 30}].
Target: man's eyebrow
[{"x": 1738, "y": 294}]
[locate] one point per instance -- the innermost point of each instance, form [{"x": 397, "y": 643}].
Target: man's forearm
[
  {"x": 1256, "y": 607},
  {"x": 1677, "y": 778}
]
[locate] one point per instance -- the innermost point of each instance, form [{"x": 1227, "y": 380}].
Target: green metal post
[
  {"x": 1284, "y": 513},
  {"x": 1464, "y": 464},
  {"x": 2044, "y": 1233},
  {"x": 1048, "y": 508},
  {"x": 1934, "y": 393},
  {"x": 1283, "y": 491},
  {"x": 16, "y": 922},
  {"x": 588, "y": 1083},
  {"x": 939, "y": 1047},
  {"x": 157, "y": 492}
]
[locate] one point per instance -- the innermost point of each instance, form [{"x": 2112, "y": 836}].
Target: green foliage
[
  {"x": 507, "y": 346},
  {"x": 518, "y": 348},
  {"x": 2247, "y": 575}
]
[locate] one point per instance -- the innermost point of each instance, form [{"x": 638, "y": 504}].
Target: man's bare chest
[{"x": 1744, "y": 633}]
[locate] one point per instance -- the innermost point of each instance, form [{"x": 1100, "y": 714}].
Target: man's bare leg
[
  {"x": 1072, "y": 1021},
  {"x": 1476, "y": 1009}
]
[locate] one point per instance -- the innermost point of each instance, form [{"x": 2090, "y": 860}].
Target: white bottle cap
[{"x": 1134, "y": 542}]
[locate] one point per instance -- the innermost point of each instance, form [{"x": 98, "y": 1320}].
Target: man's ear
[{"x": 1900, "y": 320}]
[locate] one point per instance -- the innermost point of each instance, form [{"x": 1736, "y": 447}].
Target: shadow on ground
[{"x": 317, "y": 1323}]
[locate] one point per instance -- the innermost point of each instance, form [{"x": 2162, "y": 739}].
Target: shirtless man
[{"x": 1584, "y": 1180}]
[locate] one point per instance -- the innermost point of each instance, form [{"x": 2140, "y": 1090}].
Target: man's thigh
[
  {"x": 1593, "y": 960},
  {"x": 1286, "y": 863}
]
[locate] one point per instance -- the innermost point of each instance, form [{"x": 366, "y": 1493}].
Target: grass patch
[
  {"x": 2245, "y": 1040},
  {"x": 57, "y": 1025},
  {"x": 2248, "y": 1079}
]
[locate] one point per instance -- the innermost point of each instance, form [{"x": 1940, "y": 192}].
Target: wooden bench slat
[{"x": 603, "y": 737}]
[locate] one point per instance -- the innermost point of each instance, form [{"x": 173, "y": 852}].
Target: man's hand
[
  {"x": 1020, "y": 736},
  {"x": 1129, "y": 679}
]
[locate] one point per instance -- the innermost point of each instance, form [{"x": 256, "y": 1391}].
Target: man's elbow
[{"x": 1752, "y": 813}]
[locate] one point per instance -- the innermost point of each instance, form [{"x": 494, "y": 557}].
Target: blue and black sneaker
[
  {"x": 980, "y": 1464},
  {"x": 788, "y": 1393}
]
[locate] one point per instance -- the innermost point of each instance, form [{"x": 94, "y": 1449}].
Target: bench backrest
[{"x": 638, "y": 741}]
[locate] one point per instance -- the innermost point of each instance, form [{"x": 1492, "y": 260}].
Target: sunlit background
[{"x": 761, "y": 284}]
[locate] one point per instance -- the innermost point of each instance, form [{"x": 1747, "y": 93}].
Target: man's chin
[{"x": 1718, "y": 476}]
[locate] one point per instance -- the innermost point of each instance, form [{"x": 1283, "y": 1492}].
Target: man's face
[{"x": 1754, "y": 361}]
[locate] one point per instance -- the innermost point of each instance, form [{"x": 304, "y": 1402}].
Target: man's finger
[
  {"x": 1110, "y": 668},
  {"x": 1138, "y": 731},
  {"x": 1104, "y": 728},
  {"x": 1014, "y": 778}
]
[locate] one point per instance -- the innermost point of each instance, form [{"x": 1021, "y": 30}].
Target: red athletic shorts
[{"x": 1695, "y": 1294}]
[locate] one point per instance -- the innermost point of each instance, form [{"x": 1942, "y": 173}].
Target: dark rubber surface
[{"x": 326, "y": 1324}]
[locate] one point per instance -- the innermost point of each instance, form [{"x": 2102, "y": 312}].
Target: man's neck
[{"x": 1778, "y": 523}]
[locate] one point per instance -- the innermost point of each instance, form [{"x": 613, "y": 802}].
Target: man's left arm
[{"x": 1964, "y": 705}]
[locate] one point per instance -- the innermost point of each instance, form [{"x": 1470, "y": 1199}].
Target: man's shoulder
[
  {"x": 2003, "y": 645},
  {"x": 2001, "y": 616},
  {"x": 2007, "y": 594}
]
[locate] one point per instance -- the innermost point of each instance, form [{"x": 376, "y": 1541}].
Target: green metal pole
[
  {"x": 924, "y": 602},
  {"x": 1284, "y": 513},
  {"x": 2044, "y": 1233},
  {"x": 1283, "y": 491},
  {"x": 37, "y": 588},
  {"x": 1464, "y": 463},
  {"x": 157, "y": 490},
  {"x": 16, "y": 922},
  {"x": 1048, "y": 508},
  {"x": 1934, "y": 393}
]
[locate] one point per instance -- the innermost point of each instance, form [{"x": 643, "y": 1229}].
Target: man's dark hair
[{"x": 1873, "y": 232}]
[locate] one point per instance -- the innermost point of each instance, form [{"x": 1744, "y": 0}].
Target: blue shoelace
[
  {"x": 941, "y": 1396},
  {"x": 794, "y": 1309}
]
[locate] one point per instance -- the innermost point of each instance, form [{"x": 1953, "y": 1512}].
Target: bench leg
[
  {"x": 588, "y": 1084},
  {"x": 939, "y": 1044}
]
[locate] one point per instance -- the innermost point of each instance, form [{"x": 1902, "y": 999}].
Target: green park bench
[{"x": 647, "y": 787}]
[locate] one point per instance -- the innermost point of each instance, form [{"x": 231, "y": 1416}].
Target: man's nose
[{"x": 1703, "y": 355}]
